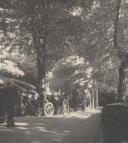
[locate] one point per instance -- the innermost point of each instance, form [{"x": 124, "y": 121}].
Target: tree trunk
[
  {"x": 41, "y": 62},
  {"x": 41, "y": 66},
  {"x": 121, "y": 83},
  {"x": 39, "y": 24},
  {"x": 120, "y": 88},
  {"x": 115, "y": 36}
]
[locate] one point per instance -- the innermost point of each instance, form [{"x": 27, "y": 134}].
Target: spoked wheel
[
  {"x": 49, "y": 109},
  {"x": 65, "y": 107}
]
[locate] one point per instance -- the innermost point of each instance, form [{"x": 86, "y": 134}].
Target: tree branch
[{"x": 116, "y": 26}]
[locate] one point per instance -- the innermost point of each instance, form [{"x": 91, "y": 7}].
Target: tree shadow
[{"x": 53, "y": 130}]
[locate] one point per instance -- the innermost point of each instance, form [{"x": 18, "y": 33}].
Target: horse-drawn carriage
[{"x": 55, "y": 104}]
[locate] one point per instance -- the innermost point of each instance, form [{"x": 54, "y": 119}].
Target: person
[
  {"x": 10, "y": 96},
  {"x": 33, "y": 105},
  {"x": 22, "y": 106},
  {"x": 74, "y": 99},
  {"x": 2, "y": 109},
  {"x": 83, "y": 101},
  {"x": 37, "y": 106},
  {"x": 87, "y": 97}
]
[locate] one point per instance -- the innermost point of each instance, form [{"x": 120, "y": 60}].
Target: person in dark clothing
[
  {"x": 2, "y": 108},
  {"x": 74, "y": 99},
  {"x": 9, "y": 97}
]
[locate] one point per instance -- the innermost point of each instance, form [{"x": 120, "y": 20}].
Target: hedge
[{"x": 115, "y": 123}]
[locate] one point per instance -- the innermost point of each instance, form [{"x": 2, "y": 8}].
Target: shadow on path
[{"x": 82, "y": 128}]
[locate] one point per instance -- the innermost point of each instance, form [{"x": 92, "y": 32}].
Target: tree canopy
[{"x": 44, "y": 33}]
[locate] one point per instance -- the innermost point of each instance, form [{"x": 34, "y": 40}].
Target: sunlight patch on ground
[
  {"x": 21, "y": 124},
  {"x": 22, "y": 128},
  {"x": 67, "y": 131},
  {"x": 43, "y": 129},
  {"x": 3, "y": 128},
  {"x": 2, "y": 124},
  {"x": 36, "y": 142},
  {"x": 79, "y": 114}
]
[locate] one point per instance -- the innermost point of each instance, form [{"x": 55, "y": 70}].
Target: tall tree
[
  {"x": 40, "y": 18},
  {"x": 43, "y": 16},
  {"x": 123, "y": 56}
]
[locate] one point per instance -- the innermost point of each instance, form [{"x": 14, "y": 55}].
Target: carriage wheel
[
  {"x": 49, "y": 109},
  {"x": 65, "y": 107}
]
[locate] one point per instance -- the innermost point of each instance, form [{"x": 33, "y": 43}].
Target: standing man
[
  {"x": 74, "y": 98},
  {"x": 2, "y": 108},
  {"x": 87, "y": 97},
  {"x": 10, "y": 97}
]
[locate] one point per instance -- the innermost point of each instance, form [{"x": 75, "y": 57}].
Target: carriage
[{"x": 55, "y": 104}]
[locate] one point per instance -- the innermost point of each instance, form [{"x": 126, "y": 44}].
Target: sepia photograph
[{"x": 63, "y": 71}]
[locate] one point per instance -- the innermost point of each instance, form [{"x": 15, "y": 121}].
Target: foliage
[
  {"x": 9, "y": 68},
  {"x": 43, "y": 32},
  {"x": 40, "y": 18},
  {"x": 71, "y": 72}
]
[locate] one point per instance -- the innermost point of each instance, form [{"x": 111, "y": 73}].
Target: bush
[
  {"x": 107, "y": 98},
  {"x": 115, "y": 123}
]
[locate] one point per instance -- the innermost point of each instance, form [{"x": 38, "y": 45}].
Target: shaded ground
[{"x": 76, "y": 128}]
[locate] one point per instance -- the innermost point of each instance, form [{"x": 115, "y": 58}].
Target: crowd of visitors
[
  {"x": 26, "y": 106},
  {"x": 79, "y": 99}
]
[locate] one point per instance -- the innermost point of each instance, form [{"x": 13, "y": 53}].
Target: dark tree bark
[
  {"x": 116, "y": 26},
  {"x": 120, "y": 55},
  {"x": 121, "y": 80},
  {"x": 38, "y": 23}
]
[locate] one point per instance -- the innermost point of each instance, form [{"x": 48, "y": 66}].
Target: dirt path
[{"x": 76, "y": 128}]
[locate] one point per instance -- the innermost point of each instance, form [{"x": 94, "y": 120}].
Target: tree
[
  {"x": 8, "y": 68},
  {"x": 122, "y": 54},
  {"x": 39, "y": 17},
  {"x": 71, "y": 72},
  {"x": 102, "y": 23}
]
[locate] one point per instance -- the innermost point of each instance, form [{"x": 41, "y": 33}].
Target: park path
[{"x": 80, "y": 127}]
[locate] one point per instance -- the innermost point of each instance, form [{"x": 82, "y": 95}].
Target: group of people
[
  {"x": 26, "y": 106},
  {"x": 80, "y": 99},
  {"x": 11, "y": 104}
]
